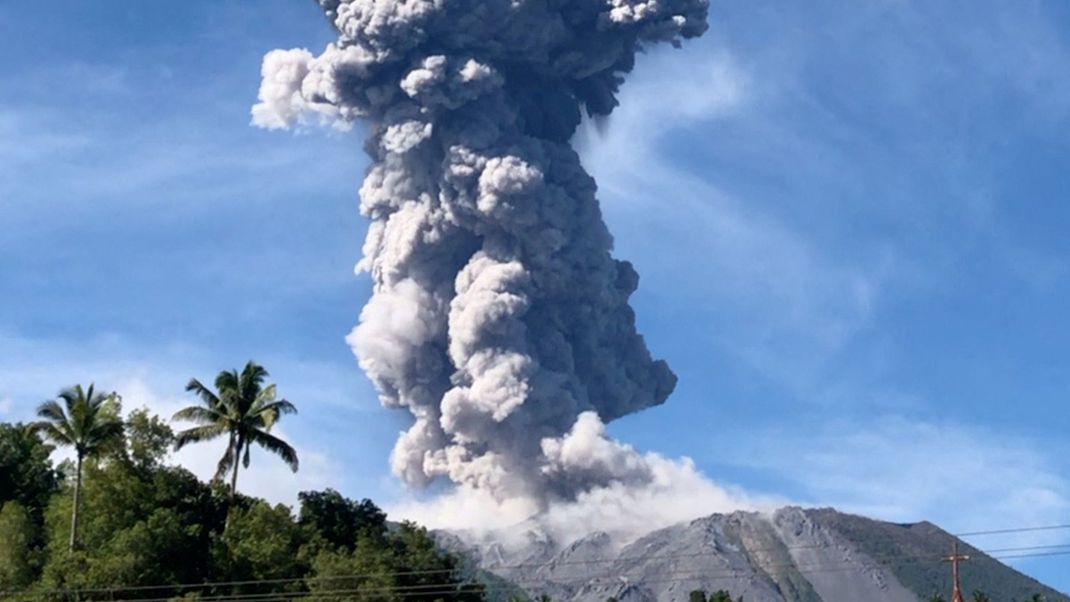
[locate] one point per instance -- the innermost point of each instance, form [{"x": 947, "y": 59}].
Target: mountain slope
[
  {"x": 900, "y": 545},
  {"x": 794, "y": 555}
]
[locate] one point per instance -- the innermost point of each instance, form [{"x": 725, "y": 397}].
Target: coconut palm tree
[
  {"x": 243, "y": 410},
  {"x": 85, "y": 420}
]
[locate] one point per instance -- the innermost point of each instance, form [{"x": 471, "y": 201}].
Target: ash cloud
[{"x": 499, "y": 318}]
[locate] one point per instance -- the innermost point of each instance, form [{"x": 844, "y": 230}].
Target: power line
[
  {"x": 443, "y": 588},
  {"x": 1013, "y": 530},
  {"x": 1023, "y": 548},
  {"x": 183, "y": 586},
  {"x": 439, "y": 589},
  {"x": 426, "y": 572}
]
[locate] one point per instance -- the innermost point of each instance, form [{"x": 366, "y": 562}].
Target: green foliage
[
  {"x": 243, "y": 410},
  {"x": 18, "y": 550},
  {"x": 422, "y": 566},
  {"x": 141, "y": 528},
  {"x": 363, "y": 574},
  {"x": 150, "y": 530},
  {"x": 388, "y": 566},
  {"x": 87, "y": 421},
  {"x": 26, "y": 473},
  {"x": 331, "y": 520},
  {"x": 699, "y": 595},
  {"x": 980, "y": 596},
  {"x": 83, "y": 419},
  {"x": 261, "y": 542},
  {"x": 148, "y": 439}
]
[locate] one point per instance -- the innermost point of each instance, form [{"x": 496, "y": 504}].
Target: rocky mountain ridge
[{"x": 791, "y": 555}]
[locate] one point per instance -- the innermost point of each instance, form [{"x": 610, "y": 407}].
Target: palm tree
[
  {"x": 85, "y": 420},
  {"x": 242, "y": 409}
]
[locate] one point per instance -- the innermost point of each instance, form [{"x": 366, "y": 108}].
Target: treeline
[
  {"x": 147, "y": 529},
  {"x": 151, "y": 530}
]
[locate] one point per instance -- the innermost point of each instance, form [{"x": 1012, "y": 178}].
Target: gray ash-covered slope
[{"x": 795, "y": 555}]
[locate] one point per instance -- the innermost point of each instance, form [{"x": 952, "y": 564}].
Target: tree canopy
[
  {"x": 241, "y": 409},
  {"x": 151, "y": 529}
]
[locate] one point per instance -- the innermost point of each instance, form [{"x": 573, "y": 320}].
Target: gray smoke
[{"x": 499, "y": 318}]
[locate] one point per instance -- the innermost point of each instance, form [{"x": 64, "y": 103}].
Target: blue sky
[{"x": 849, "y": 220}]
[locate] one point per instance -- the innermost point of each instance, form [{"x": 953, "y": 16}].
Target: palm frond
[
  {"x": 198, "y": 434},
  {"x": 103, "y": 433},
  {"x": 266, "y": 395},
  {"x": 87, "y": 420},
  {"x": 100, "y": 401},
  {"x": 71, "y": 397},
  {"x": 280, "y": 407},
  {"x": 252, "y": 377},
  {"x": 106, "y": 407},
  {"x": 209, "y": 398},
  {"x": 52, "y": 432},
  {"x": 200, "y": 415},
  {"x": 242, "y": 408},
  {"x": 227, "y": 383},
  {"x": 276, "y": 446},
  {"x": 267, "y": 415},
  {"x": 52, "y": 410}
]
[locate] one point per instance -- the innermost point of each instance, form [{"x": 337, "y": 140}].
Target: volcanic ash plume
[{"x": 499, "y": 318}]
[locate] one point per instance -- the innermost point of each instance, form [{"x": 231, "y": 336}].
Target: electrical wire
[
  {"x": 1013, "y": 530},
  {"x": 183, "y": 586},
  {"x": 443, "y": 589}
]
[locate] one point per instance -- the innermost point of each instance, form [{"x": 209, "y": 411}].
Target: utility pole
[{"x": 955, "y": 558}]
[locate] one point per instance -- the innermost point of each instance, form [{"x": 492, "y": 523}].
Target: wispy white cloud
[
  {"x": 773, "y": 289},
  {"x": 773, "y": 296},
  {"x": 964, "y": 478},
  {"x": 23, "y": 140},
  {"x": 171, "y": 163}
]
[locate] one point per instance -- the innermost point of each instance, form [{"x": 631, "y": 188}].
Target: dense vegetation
[
  {"x": 150, "y": 530},
  {"x": 717, "y": 596}
]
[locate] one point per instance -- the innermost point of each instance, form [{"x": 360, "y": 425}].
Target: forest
[{"x": 120, "y": 521}]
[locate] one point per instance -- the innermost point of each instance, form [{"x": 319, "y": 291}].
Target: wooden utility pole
[{"x": 955, "y": 558}]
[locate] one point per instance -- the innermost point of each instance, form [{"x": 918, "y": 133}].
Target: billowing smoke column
[{"x": 499, "y": 318}]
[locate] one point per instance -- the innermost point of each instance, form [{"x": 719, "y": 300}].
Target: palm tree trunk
[
  {"x": 233, "y": 485},
  {"x": 234, "y": 475},
  {"x": 77, "y": 501}
]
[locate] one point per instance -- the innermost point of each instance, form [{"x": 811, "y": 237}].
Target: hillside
[{"x": 795, "y": 555}]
